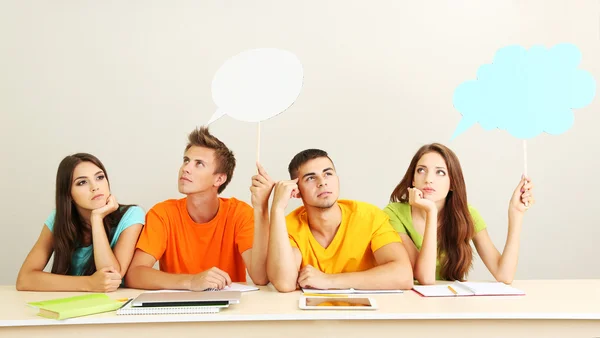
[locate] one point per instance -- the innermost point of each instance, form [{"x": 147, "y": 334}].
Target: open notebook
[
  {"x": 347, "y": 291},
  {"x": 239, "y": 287},
  {"x": 233, "y": 287},
  {"x": 468, "y": 289}
]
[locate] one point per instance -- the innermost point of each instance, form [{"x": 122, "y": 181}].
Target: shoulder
[
  {"x": 236, "y": 210},
  {"x": 134, "y": 214},
  {"x": 50, "y": 220},
  {"x": 167, "y": 206},
  {"x": 296, "y": 218},
  {"x": 478, "y": 222},
  {"x": 234, "y": 205},
  {"x": 399, "y": 213},
  {"x": 361, "y": 209},
  {"x": 474, "y": 213},
  {"x": 296, "y": 213},
  {"x": 397, "y": 209}
]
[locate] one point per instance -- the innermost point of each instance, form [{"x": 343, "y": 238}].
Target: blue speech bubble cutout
[{"x": 526, "y": 92}]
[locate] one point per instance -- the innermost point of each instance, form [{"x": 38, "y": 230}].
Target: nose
[
  {"x": 429, "y": 178},
  {"x": 321, "y": 182},
  {"x": 94, "y": 186}
]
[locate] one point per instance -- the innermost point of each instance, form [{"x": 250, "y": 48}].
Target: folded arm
[
  {"x": 31, "y": 276},
  {"x": 393, "y": 271}
]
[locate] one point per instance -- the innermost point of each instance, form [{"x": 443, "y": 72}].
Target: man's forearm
[
  {"x": 281, "y": 267},
  {"x": 143, "y": 277},
  {"x": 389, "y": 276},
  {"x": 260, "y": 246}
]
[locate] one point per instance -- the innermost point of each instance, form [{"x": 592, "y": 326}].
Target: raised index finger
[{"x": 262, "y": 171}]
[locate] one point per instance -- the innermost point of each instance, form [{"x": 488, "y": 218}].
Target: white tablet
[{"x": 337, "y": 303}]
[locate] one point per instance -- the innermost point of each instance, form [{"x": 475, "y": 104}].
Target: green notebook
[{"x": 63, "y": 308}]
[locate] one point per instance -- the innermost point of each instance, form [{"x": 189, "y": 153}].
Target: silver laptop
[{"x": 187, "y": 298}]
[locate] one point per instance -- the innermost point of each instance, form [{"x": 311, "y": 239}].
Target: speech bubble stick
[
  {"x": 525, "y": 164},
  {"x": 258, "y": 143}
]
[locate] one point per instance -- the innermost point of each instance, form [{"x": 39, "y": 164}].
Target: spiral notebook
[{"x": 129, "y": 309}]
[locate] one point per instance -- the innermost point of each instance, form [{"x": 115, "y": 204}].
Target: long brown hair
[
  {"x": 455, "y": 223},
  {"x": 69, "y": 228}
]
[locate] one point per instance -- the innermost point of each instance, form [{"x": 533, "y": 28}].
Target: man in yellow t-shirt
[{"x": 330, "y": 244}]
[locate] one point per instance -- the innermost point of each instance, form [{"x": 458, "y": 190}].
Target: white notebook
[
  {"x": 240, "y": 287},
  {"x": 348, "y": 291},
  {"x": 233, "y": 287},
  {"x": 129, "y": 309},
  {"x": 468, "y": 289}
]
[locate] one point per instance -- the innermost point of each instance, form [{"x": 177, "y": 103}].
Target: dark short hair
[{"x": 303, "y": 157}]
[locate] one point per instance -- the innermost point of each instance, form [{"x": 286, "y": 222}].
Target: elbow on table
[
  {"x": 21, "y": 284},
  {"x": 404, "y": 277},
  {"x": 284, "y": 286},
  {"x": 426, "y": 281},
  {"x": 505, "y": 279},
  {"x": 260, "y": 281},
  {"x": 130, "y": 278},
  {"x": 404, "y": 281}
]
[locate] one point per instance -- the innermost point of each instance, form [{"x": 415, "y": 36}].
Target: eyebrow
[
  {"x": 312, "y": 173},
  {"x": 423, "y": 166},
  {"x": 100, "y": 172},
  {"x": 194, "y": 159}
]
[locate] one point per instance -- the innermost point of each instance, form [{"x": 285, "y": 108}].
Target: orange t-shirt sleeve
[
  {"x": 383, "y": 232},
  {"x": 153, "y": 239},
  {"x": 245, "y": 224}
]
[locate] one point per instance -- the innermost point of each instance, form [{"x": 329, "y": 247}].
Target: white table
[{"x": 551, "y": 308}]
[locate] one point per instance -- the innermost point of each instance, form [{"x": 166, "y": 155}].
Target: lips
[
  {"x": 96, "y": 197},
  {"x": 324, "y": 193},
  {"x": 429, "y": 190},
  {"x": 185, "y": 179}
]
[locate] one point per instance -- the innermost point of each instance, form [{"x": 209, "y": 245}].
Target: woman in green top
[{"x": 429, "y": 209}]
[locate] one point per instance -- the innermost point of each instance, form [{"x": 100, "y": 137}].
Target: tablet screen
[{"x": 332, "y": 302}]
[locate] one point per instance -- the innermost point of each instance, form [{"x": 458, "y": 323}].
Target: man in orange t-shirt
[{"x": 203, "y": 241}]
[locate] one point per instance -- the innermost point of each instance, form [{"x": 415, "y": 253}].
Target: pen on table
[
  {"x": 453, "y": 291},
  {"x": 128, "y": 300}
]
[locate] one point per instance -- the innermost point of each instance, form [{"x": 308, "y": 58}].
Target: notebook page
[
  {"x": 441, "y": 290},
  {"x": 492, "y": 288},
  {"x": 358, "y": 291},
  {"x": 330, "y": 291},
  {"x": 240, "y": 287}
]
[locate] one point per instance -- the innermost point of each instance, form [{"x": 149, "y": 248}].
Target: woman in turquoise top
[
  {"x": 92, "y": 237},
  {"x": 430, "y": 211}
]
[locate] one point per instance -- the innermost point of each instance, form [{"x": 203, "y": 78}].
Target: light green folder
[{"x": 63, "y": 308}]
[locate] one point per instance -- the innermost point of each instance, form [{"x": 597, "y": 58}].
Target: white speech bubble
[{"x": 257, "y": 84}]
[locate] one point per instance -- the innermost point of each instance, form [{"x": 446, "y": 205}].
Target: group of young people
[{"x": 204, "y": 241}]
